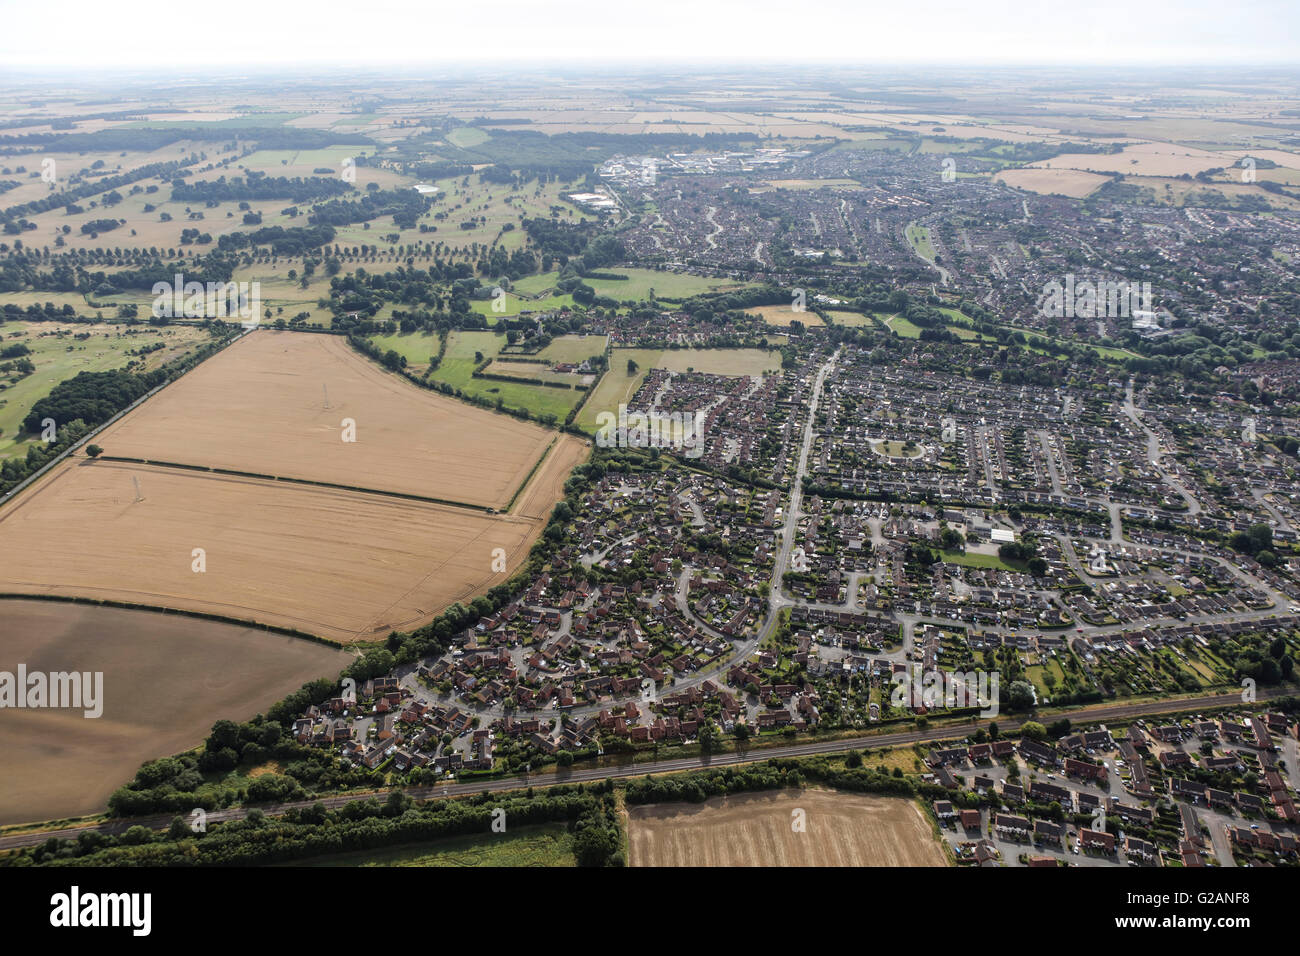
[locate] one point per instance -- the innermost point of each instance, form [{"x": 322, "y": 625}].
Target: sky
[{"x": 170, "y": 36}]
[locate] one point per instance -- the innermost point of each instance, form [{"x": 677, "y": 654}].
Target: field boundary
[
  {"x": 529, "y": 477},
  {"x": 12, "y": 492},
  {"x": 235, "y": 473},
  {"x": 163, "y": 609}
]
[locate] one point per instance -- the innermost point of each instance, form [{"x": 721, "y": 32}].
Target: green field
[
  {"x": 467, "y": 137},
  {"x": 458, "y": 364},
  {"x": 548, "y": 845},
  {"x": 515, "y": 304},
  {"x": 617, "y": 386},
  {"x": 60, "y": 357},
  {"x": 573, "y": 348},
  {"x": 671, "y": 285},
  {"x": 903, "y": 327},
  {"x": 973, "y": 559},
  {"x": 919, "y": 237}
]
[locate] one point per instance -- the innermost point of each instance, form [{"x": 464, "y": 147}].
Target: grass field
[
  {"x": 617, "y": 385},
  {"x": 903, "y": 327},
  {"x": 841, "y": 829},
  {"x": 58, "y": 356},
  {"x": 919, "y": 237},
  {"x": 549, "y": 846},
  {"x": 457, "y": 370},
  {"x": 781, "y": 316},
  {"x": 165, "y": 681},
  {"x": 666, "y": 285}
]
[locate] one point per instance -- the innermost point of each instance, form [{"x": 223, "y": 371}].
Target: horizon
[{"x": 1003, "y": 33}]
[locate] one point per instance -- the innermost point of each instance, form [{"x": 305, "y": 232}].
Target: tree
[
  {"x": 1020, "y": 695},
  {"x": 94, "y": 451},
  {"x": 632, "y": 367},
  {"x": 1033, "y": 730}
]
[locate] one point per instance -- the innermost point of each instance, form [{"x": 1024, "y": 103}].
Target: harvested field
[
  {"x": 1075, "y": 183},
  {"x": 842, "y": 829},
  {"x": 260, "y": 407},
  {"x": 752, "y": 362},
  {"x": 783, "y": 315},
  {"x": 343, "y": 565},
  {"x": 166, "y": 680}
]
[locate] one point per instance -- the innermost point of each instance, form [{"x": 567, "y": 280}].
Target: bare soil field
[
  {"x": 342, "y": 565},
  {"x": 166, "y": 680},
  {"x": 841, "y": 829},
  {"x": 261, "y": 407}
]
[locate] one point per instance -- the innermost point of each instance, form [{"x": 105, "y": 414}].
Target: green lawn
[
  {"x": 972, "y": 559},
  {"x": 549, "y": 845}
]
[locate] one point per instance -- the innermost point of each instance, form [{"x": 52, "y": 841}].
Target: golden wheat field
[{"x": 281, "y": 404}]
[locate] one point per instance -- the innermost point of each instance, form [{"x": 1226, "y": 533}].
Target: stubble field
[
  {"x": 288, "y": 551},
  {"x": 261, "y": 407},
  {"x": 841, "y": 829}
]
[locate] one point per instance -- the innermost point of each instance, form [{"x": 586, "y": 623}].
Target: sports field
[{"x": 760, "y": 829}]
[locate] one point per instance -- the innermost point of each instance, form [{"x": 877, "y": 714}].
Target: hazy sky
[{"x": 172, "y": 35}]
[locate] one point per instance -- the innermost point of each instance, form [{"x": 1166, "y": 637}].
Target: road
[
  {"x": 1154, "y": 454},
  {"x": 1093, "y": 714}
]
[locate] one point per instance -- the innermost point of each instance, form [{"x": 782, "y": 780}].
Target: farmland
[
  {"x": 60, "y": 350},
  {"x": 842, "y": 829},
  {"x": 274, "y": 403},
  {"x": 339, "y": 564},
  {"x": 165, "y": 681},
  {"x": 1076, "y": 183},
  {"x": 294, "y": 553}
]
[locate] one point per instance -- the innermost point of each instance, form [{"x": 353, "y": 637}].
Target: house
[
  {"x": 1137, "y": 848},
  {"x": 1045, "y": 831},
  {"x": 1012, "y": 827},
  {"x": 1096, "y": 840}
]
